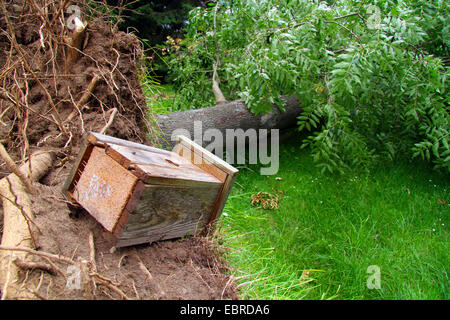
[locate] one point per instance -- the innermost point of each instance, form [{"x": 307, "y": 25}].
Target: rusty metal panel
[{"x": 104, "y": 188}]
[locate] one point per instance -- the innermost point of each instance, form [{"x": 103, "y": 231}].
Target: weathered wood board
[
  {"x": 144, "y": 194},
  {"x": 209, "y": 162}
]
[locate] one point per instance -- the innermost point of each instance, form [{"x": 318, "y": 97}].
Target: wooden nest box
[{"x": 143, "y": 194}]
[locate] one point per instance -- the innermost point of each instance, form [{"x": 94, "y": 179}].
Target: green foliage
[
  {"x": 189, "y": 72},
  {"x": 435, "y": 20},
  {"x": 370, "y": 74}
]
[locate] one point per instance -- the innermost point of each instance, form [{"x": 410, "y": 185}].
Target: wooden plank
[
  {"x": 222, "y": 199},
  {"x": 204, "y": 164},
  {"x": 210, "y": 163},
  {"x": 168, "y": 212},
  {"x": 180, "y": 182},
  {"x": 162, "y": 233},
  {"x": 97, "y": 138},
  {"x": 206, "y": 155}
]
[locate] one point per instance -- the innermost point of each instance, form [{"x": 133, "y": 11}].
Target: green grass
[
  {"x": 159, "y": 97},
  {"x": 335, "y": 227}
]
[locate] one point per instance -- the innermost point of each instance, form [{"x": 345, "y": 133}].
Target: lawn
[
  {"x": 328, "y": 230},
  {"x": 159, "y": 97}
]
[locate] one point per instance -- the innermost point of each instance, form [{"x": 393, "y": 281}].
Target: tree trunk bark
[
  {"x": 18, "y": 225},
  {"x": 231, "y": 115}
]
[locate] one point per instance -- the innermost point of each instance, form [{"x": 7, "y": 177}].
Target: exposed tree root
[
  {"x": 12, "y": 166},
  {"x": 19, "y": 228},
  {"x": 87, "y": 271},
  {"x": 84, "y": 98},
  {"x": 75, "y": 44}
]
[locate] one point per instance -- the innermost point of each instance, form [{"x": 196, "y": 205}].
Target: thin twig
[
  {"x": 39, "y": 253},
  {"x": 110, "y": 121},
  {"x": 34, "y": 292},
  {"x": 92, "y": 252},
  {"x": 92, "y": 258},
  {"x": 109, "y": 283},
  {"x": 143, "y": 267},
  {"x": 25, "y": 265},
  {"x": 85, "y": 97}
]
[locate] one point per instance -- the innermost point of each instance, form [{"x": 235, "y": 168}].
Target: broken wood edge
[
  {"x": 221, "y": 200},
  {"x": 95, "y": 137},
  {"x": 75, "y": 43},
  {"x": 75, "y": 173}
]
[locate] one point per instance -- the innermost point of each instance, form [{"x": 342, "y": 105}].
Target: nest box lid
[{"x": 152, "y": 165}]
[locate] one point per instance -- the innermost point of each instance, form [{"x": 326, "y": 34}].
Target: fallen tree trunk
[
  {"x": 18, "y": 227},
  {"x": 230, "y": 115}
]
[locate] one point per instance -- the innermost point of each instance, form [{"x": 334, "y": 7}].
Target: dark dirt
[
  {"x": 177, "y": 269},
  {"x": 182, "y": 269}
]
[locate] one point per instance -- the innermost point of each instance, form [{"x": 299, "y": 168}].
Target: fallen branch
[
  {"x": 230, "y": 115},
  {"x": 24, "y": 265},
  {"x": 85, "y": 97},
  {"x": 110, "y": 121}
]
